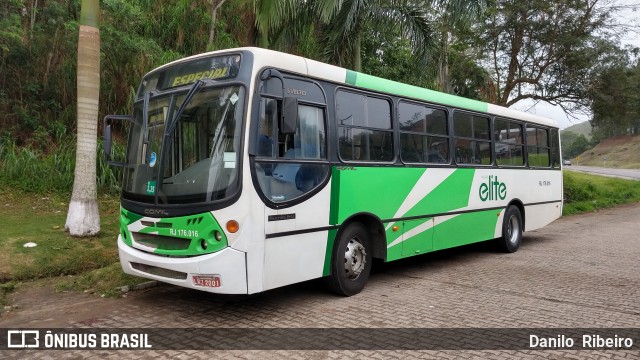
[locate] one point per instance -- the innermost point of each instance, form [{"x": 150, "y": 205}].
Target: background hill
[
  {"x": 620, "y": 151},
  {"x": 583, "y": 128}
]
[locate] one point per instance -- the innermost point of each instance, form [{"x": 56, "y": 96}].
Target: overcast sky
[{"x": 629, "y": 15}]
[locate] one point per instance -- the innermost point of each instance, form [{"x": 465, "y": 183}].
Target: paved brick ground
[{"x": 580, "y": 271}]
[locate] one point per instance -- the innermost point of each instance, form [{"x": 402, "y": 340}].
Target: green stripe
[
  {"x": 410, "y": 91},
  {"x": 352, "y": 77}
]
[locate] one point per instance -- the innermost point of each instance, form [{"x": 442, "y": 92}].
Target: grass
[
  {"x": 106, "y": 281},
  {"x": 27, "y": 217},
  {"x": 586, "y": 193},
  {"x": 36, "y": 171}
]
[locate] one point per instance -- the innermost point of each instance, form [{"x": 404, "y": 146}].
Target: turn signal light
[{"x": 233, "y": 226}]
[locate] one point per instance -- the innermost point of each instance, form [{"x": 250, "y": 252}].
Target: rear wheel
[
  {"x": 511, "y": 230},
  {"x": 351, "y": 260}
]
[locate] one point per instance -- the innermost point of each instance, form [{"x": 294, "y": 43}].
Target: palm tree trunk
[
  {"x": 443, "y": 66},
  {"x": 357, "y": 53},
  {"x": 215, "y": 5},
  {"x": 83, "y": 218}
]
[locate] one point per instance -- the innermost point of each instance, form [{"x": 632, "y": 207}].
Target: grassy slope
[
  {"x": 620, "y": 151},
  {"x": 583, "y": 128}
]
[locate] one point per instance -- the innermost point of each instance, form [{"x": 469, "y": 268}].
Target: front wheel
[
  {"x": 511, "y": 230},
  {"x": 351, "y": 260}
]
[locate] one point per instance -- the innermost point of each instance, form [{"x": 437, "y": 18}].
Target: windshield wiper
[{"x": 187, "y": 99}]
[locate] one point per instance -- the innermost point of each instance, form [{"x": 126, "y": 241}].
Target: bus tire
[
  {"x": 511, "y": 230},
  {"x": 351, "y": 260}
]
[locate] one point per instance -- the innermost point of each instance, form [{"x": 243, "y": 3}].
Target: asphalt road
[
  {"x": 579, "y": 272},
  {"x": 631, "y": 174}
]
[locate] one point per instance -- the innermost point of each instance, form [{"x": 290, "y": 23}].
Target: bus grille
[
  {"x": 161, "y": 242},
  {"x": 154, "y": 270}
]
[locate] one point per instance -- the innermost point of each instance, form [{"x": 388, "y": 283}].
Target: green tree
[
  {"x": 350, "y": 20},
  {"x": 10, "y": 25},
  {"x": 543, "y": 50},
  {"x": 615, "y": 100},
  {"x": 83, "y": 218},
  {"x": 454, "y": 19},
  {"x": 576, "y": 147}
]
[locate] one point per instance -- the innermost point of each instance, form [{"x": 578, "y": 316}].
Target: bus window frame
[
  {"x": 548, "y": 146},
  {"x": 523, "y": 144},
  {"x": 489, "y": 117},
  {"x": 252, "y": 138},
  {"x": 392, "y": 130},
  {"x": 447, "y": 136}
]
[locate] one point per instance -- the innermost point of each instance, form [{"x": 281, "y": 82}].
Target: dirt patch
[
  {"x": 37, "y": 304},
  {"x": 617, "y": 141},
  {"x": 619, "y": 151}
]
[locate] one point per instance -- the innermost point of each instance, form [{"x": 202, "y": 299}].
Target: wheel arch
[
  {"x": 520, "y": 205},
  {"x": 374, "y": 227}
]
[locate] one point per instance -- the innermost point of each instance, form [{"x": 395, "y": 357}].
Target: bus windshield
[{"x": 189, "y": 159}]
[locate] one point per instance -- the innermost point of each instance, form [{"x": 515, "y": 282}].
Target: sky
[{"x": 629, "y": 15}]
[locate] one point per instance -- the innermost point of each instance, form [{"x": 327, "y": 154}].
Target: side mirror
[
  {"x": 289, "y": 120},
  {"x": 107, "y": 137}
]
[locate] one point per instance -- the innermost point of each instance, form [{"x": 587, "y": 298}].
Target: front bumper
[{"x": 229, "y": 264}]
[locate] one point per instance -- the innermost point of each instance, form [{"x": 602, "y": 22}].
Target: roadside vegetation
[{"x": 586, "y": 193}]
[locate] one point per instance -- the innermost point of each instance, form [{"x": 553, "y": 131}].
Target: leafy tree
[
  {"x": 10, "y": 25},
  {"x": 573, "y": 144},
  {"x": 83, "y": 218},
  {"x": 352, "y": 19},
  {"x": 385, "y": 53},
  {"x": 615, "y": 100},
  {"x": 454, "y": 19},
  {"x": 543, "y": 50}
]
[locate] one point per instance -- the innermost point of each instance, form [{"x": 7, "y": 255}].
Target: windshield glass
[{"x": 198, "y": 160}]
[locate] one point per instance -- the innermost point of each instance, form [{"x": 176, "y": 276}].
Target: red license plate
[{"x": 206, "y": 280}]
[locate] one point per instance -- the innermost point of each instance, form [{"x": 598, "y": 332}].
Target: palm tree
[
  {"x": 83, "y": 218},
  {"x": 352, "y": 18},
  {"x": 283, "y": 18},
  {"x": 453, "y": 14}
]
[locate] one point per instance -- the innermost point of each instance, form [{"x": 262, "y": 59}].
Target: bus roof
[{"x": 315, "y": 69}]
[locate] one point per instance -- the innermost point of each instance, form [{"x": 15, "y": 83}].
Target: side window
[
  {"x": 555, "y": 149},
  {"x": 538, "y": 149},
  {"x": 472, "y": 139},
  {"x": 508, "y": 142},
  {"x": 290, "y": 165},
  {"x": 364, "y": 127},
  {"x": 424, "y": 137}
]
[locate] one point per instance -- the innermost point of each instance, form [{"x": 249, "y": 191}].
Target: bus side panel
[
  {"x": 462, "y": 229},
  {"x": 291, "y": 254},
  {"x": 541, "y": 215}
]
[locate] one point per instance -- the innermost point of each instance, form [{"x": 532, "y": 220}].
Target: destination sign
[
  {"x": 185, "y": 73},
  {"x": 209, "y": 74}
]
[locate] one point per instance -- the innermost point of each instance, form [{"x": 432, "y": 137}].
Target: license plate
[{"x": 206, "y": 280}]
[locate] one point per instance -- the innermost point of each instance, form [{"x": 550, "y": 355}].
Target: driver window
[{"x": 287, "y": 177}]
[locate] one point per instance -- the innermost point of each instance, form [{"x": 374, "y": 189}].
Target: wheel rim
[
  {"x": 513, "y": 229},
  {"x": 355, "y": 258}
]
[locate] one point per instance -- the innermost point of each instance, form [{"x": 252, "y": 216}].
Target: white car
[{"x": 566, "y": 162}]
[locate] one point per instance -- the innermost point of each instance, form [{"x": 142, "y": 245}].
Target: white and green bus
[{"x": 249, "y": 169}]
